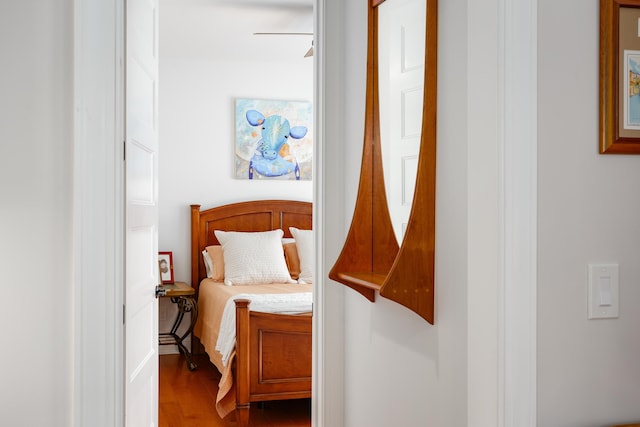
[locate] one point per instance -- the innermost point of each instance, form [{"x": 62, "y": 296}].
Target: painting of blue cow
[
  {"x": 273, "y": 140},
  {"x": 273, "y": 156}
]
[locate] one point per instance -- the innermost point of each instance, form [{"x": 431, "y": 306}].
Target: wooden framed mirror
[{"x": 372, "y": 260}]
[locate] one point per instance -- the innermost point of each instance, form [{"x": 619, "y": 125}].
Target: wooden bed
[{"x": 273, "y": 351}]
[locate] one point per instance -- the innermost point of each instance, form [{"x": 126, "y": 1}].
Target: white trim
[
  {"x": 318, "y": 390},
  {"x": 119, "y": 214},
  {"x": 484, "y": 214},
  {"x": 97, "y": 252},
  {"x": 328, "y": 354},
  {"x": 518, "y": 145}
]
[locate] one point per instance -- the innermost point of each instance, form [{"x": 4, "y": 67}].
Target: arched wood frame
[{"x": 370, "y": 260}]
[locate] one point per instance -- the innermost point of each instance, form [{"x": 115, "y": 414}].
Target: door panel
[{"x": 141, "y": 313}]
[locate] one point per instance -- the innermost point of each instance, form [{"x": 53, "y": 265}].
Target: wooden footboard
[{"x": 273, "y": 358}]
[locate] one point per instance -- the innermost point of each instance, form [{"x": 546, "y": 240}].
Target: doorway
[
  {"x": 202, "y": 73},
  {"x": 98, "y": 176}
]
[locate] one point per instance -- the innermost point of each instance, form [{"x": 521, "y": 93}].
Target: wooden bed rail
[
  {"x": 196, "y": 248},
  {"x": 243, "y": 382}
]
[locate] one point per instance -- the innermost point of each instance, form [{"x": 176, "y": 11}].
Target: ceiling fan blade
[
  {"x": 306, "y": 55},
  {"x": 309, "y": 52}
]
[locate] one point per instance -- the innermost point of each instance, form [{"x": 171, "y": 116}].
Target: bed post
[
  {"x": 195, "y": 258},
  {"x": 242, "y": 362}
]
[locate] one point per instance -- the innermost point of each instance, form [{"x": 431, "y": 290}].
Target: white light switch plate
[{"x": 603, "y": 291}]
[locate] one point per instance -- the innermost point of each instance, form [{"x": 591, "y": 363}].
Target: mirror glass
[{"x": 401, "y": 56}]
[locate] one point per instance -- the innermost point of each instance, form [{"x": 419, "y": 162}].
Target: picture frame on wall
[
  {"x": 619, "y": 86},
  {"x": 165, "y": 267},
  {"x": 273, "y": 139}
]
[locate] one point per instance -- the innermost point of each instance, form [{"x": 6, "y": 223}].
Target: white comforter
[{"x": 294, "y": 303}]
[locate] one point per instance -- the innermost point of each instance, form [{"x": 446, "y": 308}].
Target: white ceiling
[{"x": 223, "y": 29}]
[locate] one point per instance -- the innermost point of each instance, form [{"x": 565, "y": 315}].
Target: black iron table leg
[{"x": 186, "y": 304}]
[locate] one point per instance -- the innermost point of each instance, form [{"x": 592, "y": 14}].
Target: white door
[
  {"x": 401, "y": 82},
  {"x": 141, "y": 306}
]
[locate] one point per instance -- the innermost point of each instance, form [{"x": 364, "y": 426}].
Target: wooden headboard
[{"x": 260, "y": 215}]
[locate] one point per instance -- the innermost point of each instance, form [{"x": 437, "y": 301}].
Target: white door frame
[
  {"x": 328, "y": 335},
  {"x": 98, "y": 212},
  {"x": 518, "y": 62}
]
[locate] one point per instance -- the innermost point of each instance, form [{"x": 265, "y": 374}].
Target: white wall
[
  {"x": 36, "y": 134},
  {"x": 588, "y": 370}
]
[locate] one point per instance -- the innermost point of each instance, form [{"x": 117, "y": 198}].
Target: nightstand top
[{"x": 177, "y": 289}]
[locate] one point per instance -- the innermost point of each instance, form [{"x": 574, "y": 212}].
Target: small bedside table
[{"x": 185, "y": 297}]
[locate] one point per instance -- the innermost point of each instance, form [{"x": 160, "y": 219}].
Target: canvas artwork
[
  {"x": 274, "y": 139},
  {"x": 632, "y": 89}
]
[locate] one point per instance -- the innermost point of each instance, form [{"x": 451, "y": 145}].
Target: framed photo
[
  {"x": 165, "y": 266},
  {"x": 619, "y": 77}
]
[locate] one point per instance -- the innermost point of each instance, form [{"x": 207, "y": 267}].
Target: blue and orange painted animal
[{"x": 273, "y": 156}]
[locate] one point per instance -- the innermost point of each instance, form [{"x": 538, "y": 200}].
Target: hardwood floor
[{"x": 187, "y": 399}]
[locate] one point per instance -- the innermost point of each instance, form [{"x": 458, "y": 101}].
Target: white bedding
[{"x": 294, "y": 303}]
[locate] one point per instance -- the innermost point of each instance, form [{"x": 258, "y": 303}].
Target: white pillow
[
  {"x": 208, "y": 264},
  {"x": 253, "y": 258},
  {"x": 304, "y": 242}
]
